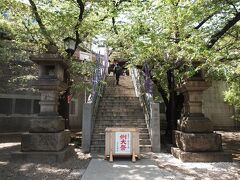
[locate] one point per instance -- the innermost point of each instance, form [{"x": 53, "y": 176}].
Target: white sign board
[
  {"x": 122, "y": 143},
  {"x": 84, "y": 56}
]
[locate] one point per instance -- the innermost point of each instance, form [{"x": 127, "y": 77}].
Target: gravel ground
[
  {"x": 71, "y": 169},
  {"x": 75, "y": 167},
  {"x": 173, "y": 168}
]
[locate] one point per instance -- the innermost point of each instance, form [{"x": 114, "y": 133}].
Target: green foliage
[
  {"x": 60, "y": 19},
  {"x": 82, "y": 73},
  {"x": 173, "y": 34},
  {"x": 17, "y": 71},
  {"x": 168, "y": 34},
  {"x": 233, "y": 94}
]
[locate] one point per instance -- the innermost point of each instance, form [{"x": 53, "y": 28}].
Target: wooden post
[
  {"x": 111, "y": 156},
  {"x": 111, "y": 149},
  {"x": 133, "y": 157}
]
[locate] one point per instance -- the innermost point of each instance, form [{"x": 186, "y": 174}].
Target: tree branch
[
  {"x": 234, "y": 7},
  {"x": 80, "y": 18},
  {"x": 161, "y": 90},
  {"x": 215, "y": 37},
  {"x": 205, "y": 20},
  {"x": 114, "y": 25},
  {"x": 40, "y": 23},
  {"x": 81, "y": 8},
  {"x": 116, "y": 5},
  {"x": 25, "y": 25}
]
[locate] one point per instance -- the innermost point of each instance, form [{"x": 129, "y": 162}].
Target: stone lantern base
[
  {"x": 46, "y": 141},
  {"x": 201, "y": 156},
  {"x": 195, "y": 139},
  {"x": 196, "y": 142},
  {"x": 44, "y": 157}
]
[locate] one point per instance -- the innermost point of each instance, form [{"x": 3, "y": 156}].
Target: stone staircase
[{"x": 119, "y": 107}]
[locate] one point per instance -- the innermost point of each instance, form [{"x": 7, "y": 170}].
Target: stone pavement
[
  {"x": 151, "y": 167},
  {"x": 122, "y": 169},
  {"x": 159, "y": 166}
]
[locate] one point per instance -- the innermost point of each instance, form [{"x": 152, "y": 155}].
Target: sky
[{"x": 24, "y": 1}]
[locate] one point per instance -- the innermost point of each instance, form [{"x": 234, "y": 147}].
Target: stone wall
[
  {"x": 76, "y": 107},
  {"x": 214, "y": 107},
  {"x": 17, "y": 110}
]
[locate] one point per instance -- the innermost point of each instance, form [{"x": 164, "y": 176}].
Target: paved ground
[
  {"x": 159, "y": 167},
  {"x": 151, "y": 167}
]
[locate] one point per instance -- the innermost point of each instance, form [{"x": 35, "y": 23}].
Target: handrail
[
  {"x": 91, "y": 107},
  {"x": 140, "y": 81},
  {"x": 143, "y": 89},
  {"x": 99, "y": 76}
]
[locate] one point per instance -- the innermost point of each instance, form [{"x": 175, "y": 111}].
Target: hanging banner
[{"x": 123, "y": 143}]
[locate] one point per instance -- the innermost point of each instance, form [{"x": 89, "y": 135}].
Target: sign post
[{"x": 122, "y": 142}]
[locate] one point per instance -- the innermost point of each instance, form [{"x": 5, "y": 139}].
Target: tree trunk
[{"x": 171, "y": 107}]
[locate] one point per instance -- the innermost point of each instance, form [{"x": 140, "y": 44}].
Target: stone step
[
  {"x": 126, "y": 121},
  {"x": 102, "y": 130},
  {"x": 102, "y": 126},
  {"x": 120, "y": 116},
  {"x": 125, "y": 118},
  {"x": 120, "y": 106},
  {"x": 102, "y": 142},
  {"x": 119, "y": 126},
  {"x": 119, "y": 109},
  {"x": 120, "y": 91},
  {"x": 112, "y": 82},
  {"x": 102, "y": 136},
  {"x": 127, "y": 87},
  {"x": 120, "y": 98},
  {"x": 121, "y": 123},
  {"x": 116, "y": 114},
  {"x": 115, "y": 104},
  {"x": 101, "y": 148},
  {"x": 136, "y": 125},
  {"x": 124, "y": 81},
  {"x": 120, "y": 119},
  {"x": 113, "y": 95}
]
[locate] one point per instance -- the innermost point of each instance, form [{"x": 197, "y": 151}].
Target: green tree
[
  {"x": 35, "y": 23},
  {"x": 171, "y": 35},
  {"x": 174, "y": 35}
]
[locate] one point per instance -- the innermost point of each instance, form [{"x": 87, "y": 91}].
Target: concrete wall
[
  {"x": 215, "y": 108},
  {"x": 16, "y": 111},
  {"x": 76, "y": 118},
  {"x": 17, "y": 123}
]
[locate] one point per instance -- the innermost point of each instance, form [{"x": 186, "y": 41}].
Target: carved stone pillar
[
  {"x": 194, "y": 138},
  {"x": 47, "y": 139}
]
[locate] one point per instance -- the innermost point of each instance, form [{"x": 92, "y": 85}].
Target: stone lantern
[
  {"x": 194, "y": 137},
  {"x": 47, "y": 138}
]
